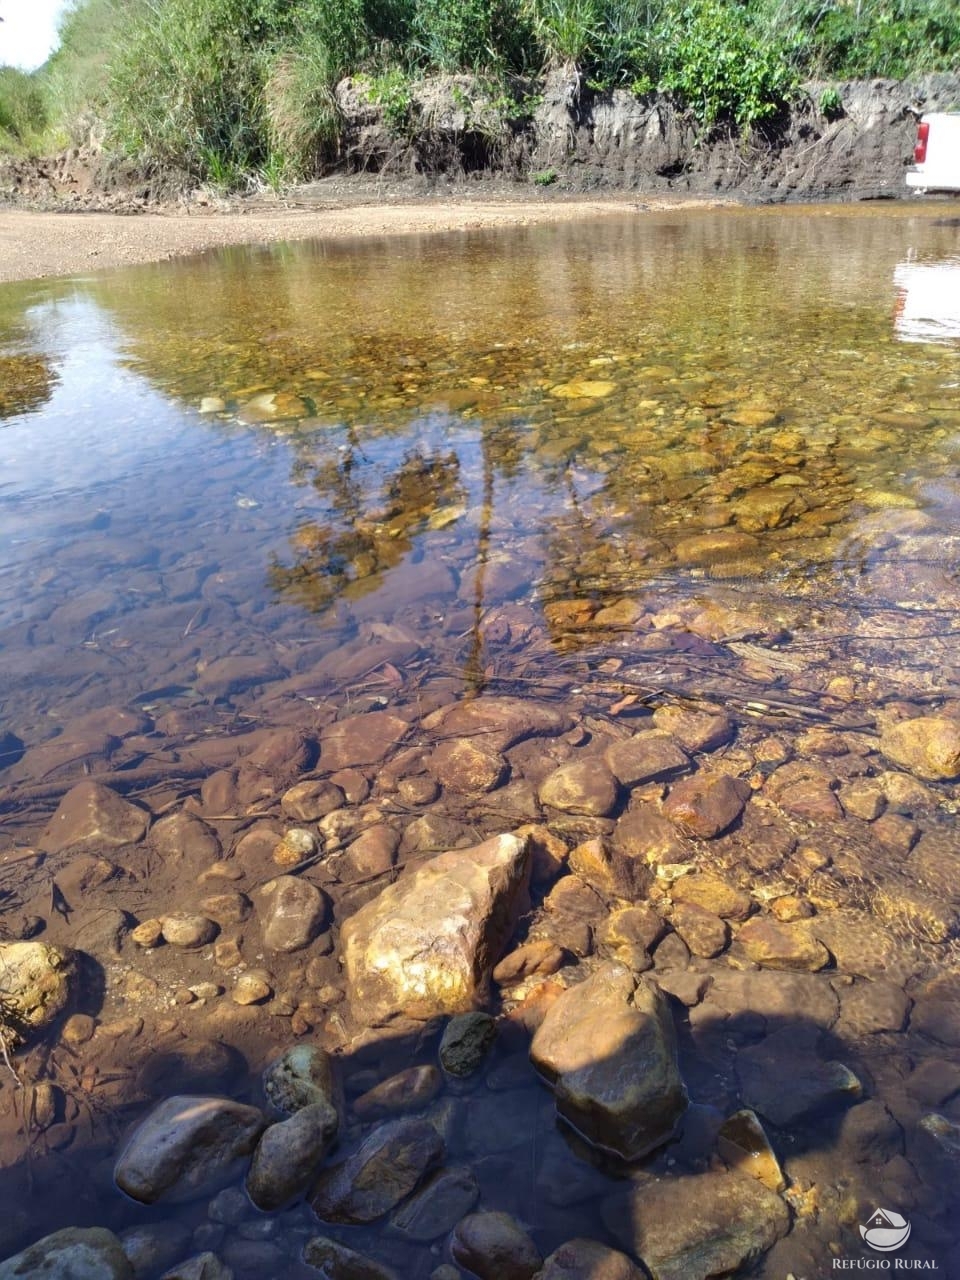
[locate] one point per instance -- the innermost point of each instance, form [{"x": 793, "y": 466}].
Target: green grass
[{"x": 23, "y": 112}]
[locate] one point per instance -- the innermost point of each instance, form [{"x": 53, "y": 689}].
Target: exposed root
[{"x": 8, "y": 1041}]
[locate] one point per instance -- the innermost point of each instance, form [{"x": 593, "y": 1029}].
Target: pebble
[
  {"x": 189, "y": 932},
  {"x": 252, "y": 987},
  {"x": 149, "y": 933},
  {"x": 297, "y": 845}
]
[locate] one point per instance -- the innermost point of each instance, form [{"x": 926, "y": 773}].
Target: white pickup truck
[{"x": 937, "y": 153}]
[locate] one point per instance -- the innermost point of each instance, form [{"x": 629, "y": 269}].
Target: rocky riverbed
[{"x": 662, "y": 999}]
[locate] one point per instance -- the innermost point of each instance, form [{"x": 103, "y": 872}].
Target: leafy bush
[
  {"x": 393, "y": 91},
  {"x": 719, "y": 59},
  {"x": 831, "y": 104}
]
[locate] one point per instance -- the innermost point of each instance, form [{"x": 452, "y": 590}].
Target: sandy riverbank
[{"x": 37, "y": 244}]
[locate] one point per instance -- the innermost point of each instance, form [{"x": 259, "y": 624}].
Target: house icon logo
[{"x": 885, "y": 1230}]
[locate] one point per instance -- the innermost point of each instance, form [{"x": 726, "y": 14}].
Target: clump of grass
[
  {"x": 23, "y": 110},
  {"x": 186, "y": 88},
  {"x": 302, "y": 116},
  {"x": 470, "y": 35}
]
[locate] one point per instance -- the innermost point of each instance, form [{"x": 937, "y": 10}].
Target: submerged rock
[
  {"x": 648, "y": 755},
  {"x": 182, "y": 835},
  {"x": 36, "y": 984},
  {"x": 337, "y": 1262},
  {"x": 745, "y": 1147},
  {"x": 406, "y": 1091},
  {"x": 289, "y": 1154},
  {"x": 776, "y": 945},
  {"x": 76, "y": 1253},
  {"x": 588, "y": 1260},
  {"x": 152, "y": 1247},
  {"x": 500, "y": 722},
  {"x": 302, "y": 1076},
  {"x": 467, "y": 1038},
  {"x": 202, "y": 1266},
  {"x": 375, "y": 1179},
  {"x": 360, "y": 740},
  {"x": 582, "y": 787},
  {"x": 929, "y": 746},
  {"x": 608, "y": 1048},
  {"x": 706, "y": 805},
  {"x": 691, "y": 1228},
  {"x": 294, "y": 913},
  {"x": 468, "y": 766},
  {"x": 186, "y": 1148},
  {"x": 91, "y": 816},
  {"x": 428, "y": 943},
  {"x": 816, "y": 1086},
  {"x": 188, "y": 931},
  {"x": 437, "y": 1207},
  {"x": 714, "y": 894},
  {"x": 494, "y": 1246}
]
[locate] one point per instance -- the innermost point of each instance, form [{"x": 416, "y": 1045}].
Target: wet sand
[{"x": 34, "y": 245}]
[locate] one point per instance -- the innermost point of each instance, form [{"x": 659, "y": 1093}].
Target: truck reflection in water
[{"x": 928, "y": 301}]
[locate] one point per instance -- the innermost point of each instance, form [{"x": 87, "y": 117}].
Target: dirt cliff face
[{"x": 860, "y": 150}]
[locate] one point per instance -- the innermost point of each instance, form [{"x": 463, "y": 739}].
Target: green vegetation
[
  {"x": 229, "y": 90},
  {"x": 23, "y": 111},
  {"x": 393, "y": 92},
  {"x": 546, "y": 178},
  {"x": 831, "y": 104}
]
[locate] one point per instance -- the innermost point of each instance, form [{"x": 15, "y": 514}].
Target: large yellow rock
[
  {"x": 928, "y": 746},
  {"x": 36, "y": 983},
  {"x": 428, "y": 943}
]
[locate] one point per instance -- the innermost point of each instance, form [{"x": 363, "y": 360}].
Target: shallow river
[{"x": 703, "y": 463}]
